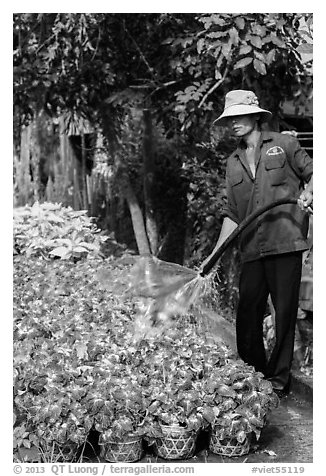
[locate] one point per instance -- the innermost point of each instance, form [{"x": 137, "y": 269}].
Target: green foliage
[
  {"x": 242, "y": 48},
  {"x": 50, "y": 230},
  {"x": 77, "y": 365},
  {"x": 85, "y": 62},
  {"x": 101, "y": 66},
  {"x": 172, "y": 369},
  {"x": 236, "y": 400},
  {"x": 226, "y": 51},
  {"x": 62, "y": 323},
  {"x": 22, "y": 437},
  {"x": 52, "y": 51},
  {"x": 204, "y": 172},
  {"x": 175, "y": 62}
]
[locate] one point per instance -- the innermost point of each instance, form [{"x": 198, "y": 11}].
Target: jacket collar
[
  {"x": 264, "y": 137},
  {"x": 240, "y": 151}
]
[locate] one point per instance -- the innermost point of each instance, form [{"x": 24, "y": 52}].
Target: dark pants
[{"x": 280, "y": 277}]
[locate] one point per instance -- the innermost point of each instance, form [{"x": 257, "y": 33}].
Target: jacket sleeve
[
  {"x": 230, "y": 209},
  {"x": 300, "y": 161}
]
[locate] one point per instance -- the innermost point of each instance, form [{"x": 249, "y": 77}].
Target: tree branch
[
  {"x": 216, "y": 85},
  {"x": 97, "y": 43},
  {"x": 150, "y": 69},
  {"x": 160, "y": 86}
]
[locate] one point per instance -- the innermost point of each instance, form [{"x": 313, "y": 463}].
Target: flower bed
[
  {"x": 63, "y": 322},
  {"x": 51, "y": 230},
  {"x": 77, "y": 367}
]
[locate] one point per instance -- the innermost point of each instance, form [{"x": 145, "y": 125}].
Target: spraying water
[{"x": 167, "y": 291}]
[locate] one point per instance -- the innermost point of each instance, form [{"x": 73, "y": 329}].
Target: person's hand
[
  {"x": 202, "y": 266},
  {"x": 305, "y": 200},
  {"x": 291, "y": 133}
]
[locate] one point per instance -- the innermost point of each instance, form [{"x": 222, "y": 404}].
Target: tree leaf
[
  {"x": 243, "y": 63},
  {"x": 61, "y": 251},
  {"x": 200, "y": 44},
  {"x": 240, "y": 22},
  {"x": 259, "y": 30},
  {"x": 270, "y": 57},
  {"x": 218, "y": 74},
  {"x": 260, "y": 56},
  {"x": 260, "y": 67},
  {"x": 216, "y": 34},
  {"x": 226, "y": 48},
  {"x": 305, "y": 48},
  {"x": 277, "y": 40},
  {"x": 234, "y": 36},
  {"x": 167, "y": 41},
  {"x": 255, "y": 41},
  {"x": 244, "y": 50}
]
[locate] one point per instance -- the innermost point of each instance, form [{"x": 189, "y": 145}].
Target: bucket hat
[{"x": 239, "y": 102}]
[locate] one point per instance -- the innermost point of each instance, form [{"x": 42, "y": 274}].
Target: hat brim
[{"x": 240, "y": 110}]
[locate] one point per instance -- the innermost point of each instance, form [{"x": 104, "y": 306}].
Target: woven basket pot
[
  {"x": 228, "y": 446},
  {"x": 61, "y": 453},
  {"x": 128, "y": 450},
  {"x": 176, "y": 443}
]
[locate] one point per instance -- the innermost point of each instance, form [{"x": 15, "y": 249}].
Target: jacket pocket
[
  {"x": 276, "y": 170},
  {"x": 240, "y": 189},
  {"x": 236, "y": 179}
]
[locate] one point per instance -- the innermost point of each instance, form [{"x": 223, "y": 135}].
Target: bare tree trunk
[
  {"x": 149, "y": 182},
  {"x": 23, "y": 181},
  {"x": 83, "y": 172},
  {"x": 77, "y": 198},
  {"x": 35, "y": 157},
  {"x": 136, "y": 215},
  {"x": 66, "y": 158},
  {"x": 124, "y": 182}
]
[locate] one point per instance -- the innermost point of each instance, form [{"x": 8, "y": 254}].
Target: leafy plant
[
  {"x": 51, "y": 230},
  {"x": 172, "y": 369},
  {"x": 185, "y": 61},
  {"x": 78, "y": 367},
  {"x": 149, "y": 383},
  {"x": 231, "y": 50},
  {"x": 179, "y": 66},
  {"x": 236, "y": 400},
  {"x": 51, "y": 403},
  {"x": 23, "y": 437},
  {"x": 61, "y": 327},
  {"x": 118, "y": 407}
]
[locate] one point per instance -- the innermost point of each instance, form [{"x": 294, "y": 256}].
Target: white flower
[{"x": 252, "y": 100}]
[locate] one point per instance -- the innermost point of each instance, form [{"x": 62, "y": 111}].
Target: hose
[{"x": 249, "y": 219}]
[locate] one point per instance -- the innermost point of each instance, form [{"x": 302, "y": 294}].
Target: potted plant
[
  {"x": 57, "y": 425},
  {"x": 236, "y": 400},
  {"x": 49, "y": 402},
  {"x": 173, "y": 419},
  {"x": 116, "y": 402},
  {"x": 174, "y": 367},
  {"x": 51, "y": 230}
]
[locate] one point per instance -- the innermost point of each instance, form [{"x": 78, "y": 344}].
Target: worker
[{"x": 266, "y": 166}]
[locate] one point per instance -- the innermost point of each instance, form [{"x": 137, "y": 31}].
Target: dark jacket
[{"x": 282, "y": 168}]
